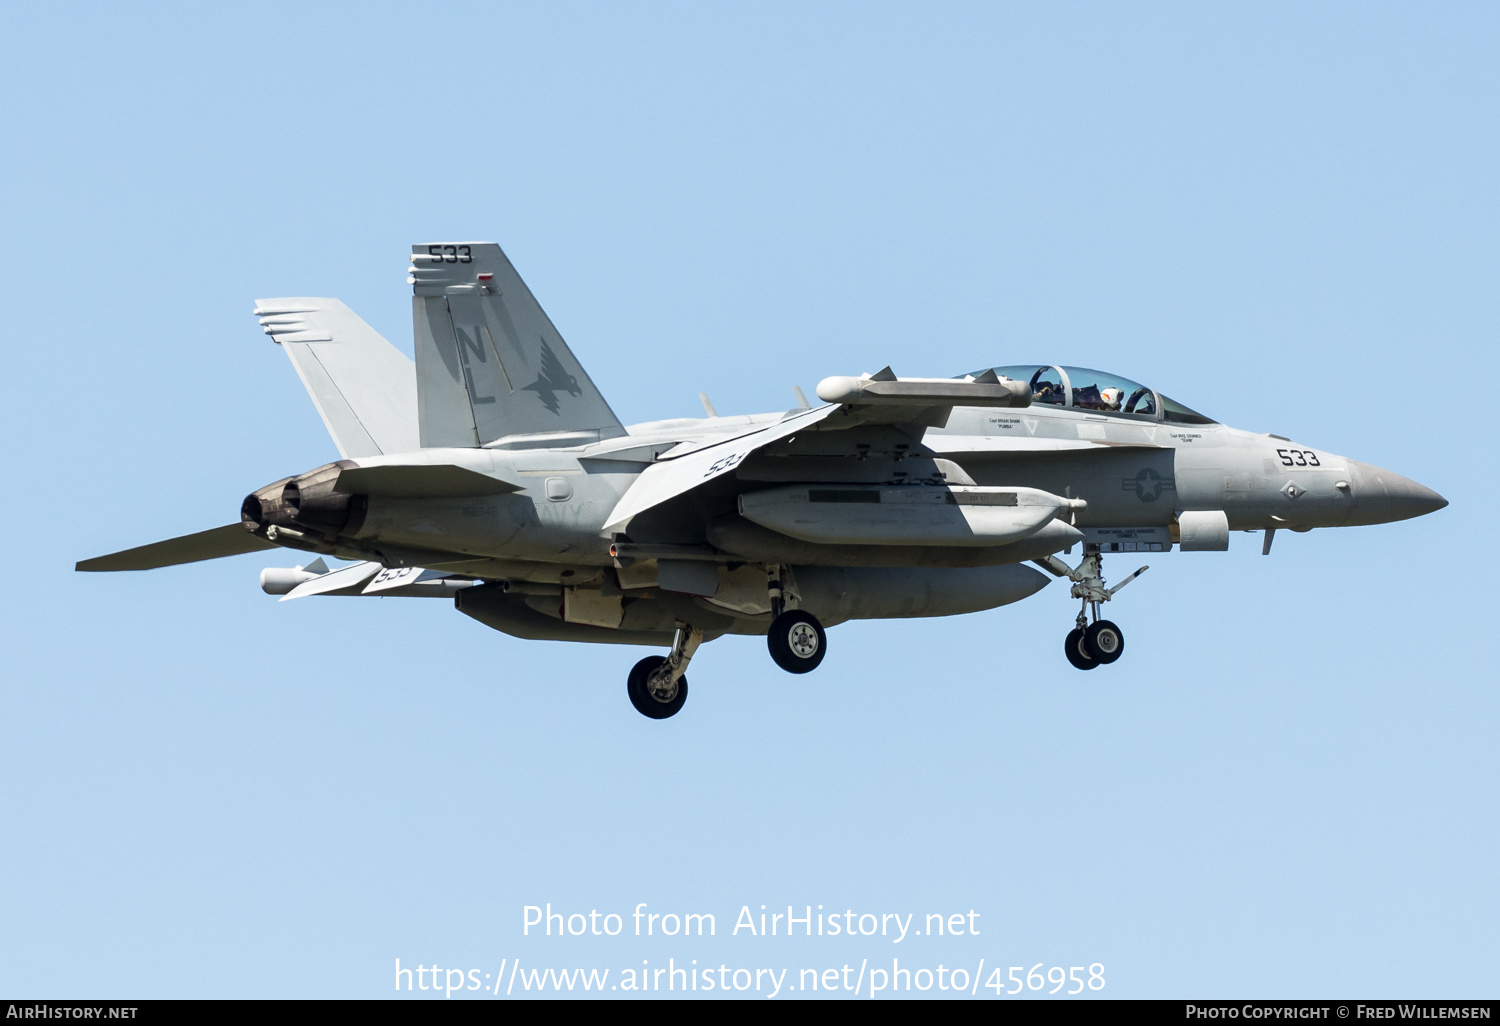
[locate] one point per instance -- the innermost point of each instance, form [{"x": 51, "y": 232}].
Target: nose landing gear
[
  {"x": 1090, "y": 644},
  {"x": 1073, "y": 649}
]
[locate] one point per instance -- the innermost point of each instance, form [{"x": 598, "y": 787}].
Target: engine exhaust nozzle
[{"x": 307, "y": 501}]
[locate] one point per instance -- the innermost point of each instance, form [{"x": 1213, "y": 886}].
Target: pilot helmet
[{"x": 1111, "y": 397}]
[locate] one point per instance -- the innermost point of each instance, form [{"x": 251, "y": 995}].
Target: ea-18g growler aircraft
[{"x": 492, "y": 472}]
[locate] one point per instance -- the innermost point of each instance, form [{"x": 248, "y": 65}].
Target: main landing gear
[
  {"x": 657, "y": 685},
  {"x": 1089, "y": 644},
  {"x": 796, "y": 638},
  {"x": 797, "y": 641}
]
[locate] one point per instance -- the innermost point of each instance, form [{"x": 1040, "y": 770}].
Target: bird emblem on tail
[{"x": 554, "y": 378}]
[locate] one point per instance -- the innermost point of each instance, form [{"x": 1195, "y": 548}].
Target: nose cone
[{"x": 1381, "y": 497}]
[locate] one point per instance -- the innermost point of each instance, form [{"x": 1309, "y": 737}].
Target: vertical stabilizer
[
  {"x": 360, "y": 383},
  {"x": 490, "y": 365}
]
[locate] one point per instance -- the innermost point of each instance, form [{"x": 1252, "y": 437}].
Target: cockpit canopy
[{"x": 1080, "y": 388}]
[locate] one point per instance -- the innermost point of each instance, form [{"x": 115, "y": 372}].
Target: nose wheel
[
  {"x": 1073, "y": 649},
  {"x": 1090, "y": 644}
]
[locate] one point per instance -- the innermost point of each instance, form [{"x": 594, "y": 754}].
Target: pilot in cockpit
[
  {"x": 1048, "y": 392},
  {"x": 1092, "y": 397}
]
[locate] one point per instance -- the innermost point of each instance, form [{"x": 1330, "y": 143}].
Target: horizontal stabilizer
[
  {"x": 229, "y": 540},
  {"x": 420, "y": 481}
]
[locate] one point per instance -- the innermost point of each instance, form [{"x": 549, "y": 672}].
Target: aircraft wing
[
  {"x": 879, "y": 399},
  {"x": 672, "y": 477}
]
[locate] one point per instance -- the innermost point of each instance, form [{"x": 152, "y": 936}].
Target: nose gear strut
[{"x": 1101, "y": 641}]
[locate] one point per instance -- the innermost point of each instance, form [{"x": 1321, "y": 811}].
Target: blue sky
[{"x": 1282, "y": 215}]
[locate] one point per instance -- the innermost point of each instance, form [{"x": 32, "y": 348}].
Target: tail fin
[
  {"x": 362, "y": 385},
  {"x": 490, "y": 364}
]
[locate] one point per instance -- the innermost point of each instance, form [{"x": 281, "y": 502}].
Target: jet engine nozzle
[
  {"x": 263, "y": 507},
  {"x": 307, "y": 500}
]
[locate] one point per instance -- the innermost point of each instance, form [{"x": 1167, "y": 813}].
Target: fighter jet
[{"x": 492, "y": 472}]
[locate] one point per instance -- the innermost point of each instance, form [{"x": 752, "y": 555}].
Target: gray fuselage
[{"x": 544, "y": 542}]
